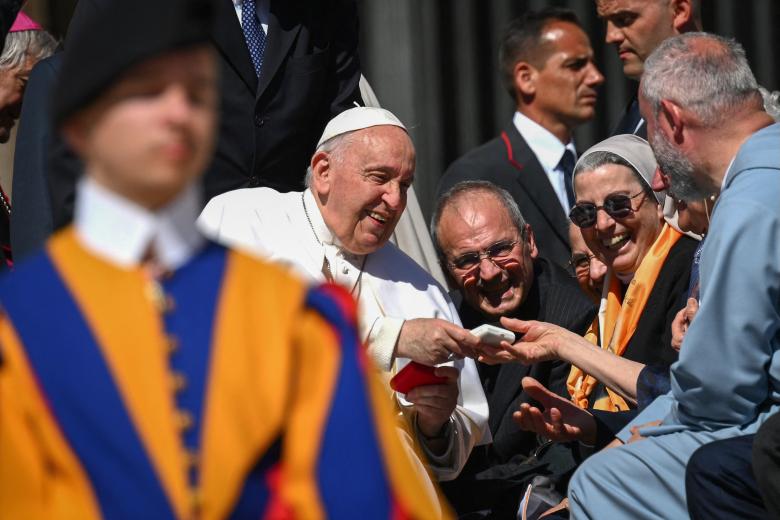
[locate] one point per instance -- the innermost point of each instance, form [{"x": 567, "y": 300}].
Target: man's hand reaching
[{"x": 561, "y": 420}]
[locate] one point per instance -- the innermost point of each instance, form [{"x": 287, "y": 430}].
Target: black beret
[{"x": 107, "y": 37}]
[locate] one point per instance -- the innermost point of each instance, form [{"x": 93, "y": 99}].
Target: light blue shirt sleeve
[
  {"x": 656, "y": 410},
  {"x": 722, "y": 378}
]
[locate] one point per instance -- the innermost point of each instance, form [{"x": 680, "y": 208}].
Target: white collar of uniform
[
  {"x": 122, "y": 231},
  {"x": 547, "y": 148}
]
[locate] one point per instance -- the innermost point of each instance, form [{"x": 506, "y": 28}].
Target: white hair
[
  {"x": 23, "y": 45},
  {"x": 333, "y": 146},
  {"x": 710, "y": 80}
]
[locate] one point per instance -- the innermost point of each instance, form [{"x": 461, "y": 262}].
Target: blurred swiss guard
[{"x": 149, "y": 373}]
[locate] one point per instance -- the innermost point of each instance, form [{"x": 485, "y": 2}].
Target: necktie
[
  {"x": 629, "y": 123},
  {"x": 253, "y": 34},
  {"x": 567, "y": 167}
]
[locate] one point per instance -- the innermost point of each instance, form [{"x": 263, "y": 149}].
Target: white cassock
[{"x": 388, "y": 285}]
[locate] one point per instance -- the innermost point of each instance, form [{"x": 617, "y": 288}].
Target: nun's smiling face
[{"x": 621, "y": 243}]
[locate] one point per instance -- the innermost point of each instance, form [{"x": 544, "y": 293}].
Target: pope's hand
[
  {"x": 435, "y": 403},
  {"x": 432, "y": 341}
]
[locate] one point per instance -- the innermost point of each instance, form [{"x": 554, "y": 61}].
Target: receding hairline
[
  {"x": 695, "y": 7},
  {"x": 546, "y": 45},
  {"x": 468, "y": 197}
]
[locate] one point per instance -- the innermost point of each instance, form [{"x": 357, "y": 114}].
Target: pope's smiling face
[{"x": 361, "y": 186}]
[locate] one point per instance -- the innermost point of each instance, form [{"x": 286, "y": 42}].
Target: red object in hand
[{"x": 413, "y": 375}]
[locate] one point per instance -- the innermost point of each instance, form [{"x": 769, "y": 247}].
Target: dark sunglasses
[
  {"x": 472, "y": 259},
  {"x": 583, "y": 214}
]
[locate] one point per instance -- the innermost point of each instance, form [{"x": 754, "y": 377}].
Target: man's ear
[
  {"x": 321, "y": 172},
  {"x": 531, "y": 241},
  {"x": 682, "y": 12},
  {"x": 525, "y": 79},
  {"x": 672, "y": 120}
]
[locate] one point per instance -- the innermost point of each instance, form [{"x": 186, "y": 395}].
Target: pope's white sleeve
[{"x": 381, "y": 339}]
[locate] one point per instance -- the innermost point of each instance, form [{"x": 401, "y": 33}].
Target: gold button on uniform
[
  {"x": 191, "y": 459},
  {"x": 170, "y": 304},
  {"x": 185, "y": 420},
  {"x": 172, "y": 344},
  {"x": 178, "y": 382}
]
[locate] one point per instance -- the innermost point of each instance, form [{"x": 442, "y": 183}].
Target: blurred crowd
[{"x": 220, "y": 299}]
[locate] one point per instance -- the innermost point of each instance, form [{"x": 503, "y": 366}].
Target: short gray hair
[
  {"x": 709, "y": 80},
  {"x": 599, "y": 158},
  {"x": 334, "y": 144},
  {"x": 771, "y": 103},
  {"x": 466, "y": 188},
  {"x": 23, "y": 45}
]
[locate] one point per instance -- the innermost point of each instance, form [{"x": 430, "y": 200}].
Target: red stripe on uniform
[{"x": 509, "y": 154}]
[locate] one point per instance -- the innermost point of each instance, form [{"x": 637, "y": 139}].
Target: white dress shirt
[
  {"x": 262, "y": 9},
  {"x": 548, "y": 150},
  {"x": 123, "y": 232},
  {"x": 389, "y": 289}
]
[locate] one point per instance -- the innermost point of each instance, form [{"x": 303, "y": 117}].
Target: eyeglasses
[
  {"x": 497, "y": 251},
  {"x": 580, "y": 261},
  {"x": 583, "y": 214}
]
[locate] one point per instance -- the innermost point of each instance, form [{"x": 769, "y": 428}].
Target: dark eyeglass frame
[
  {"x": 585, "y": 214},
  {"x": 492, "y": 253}
]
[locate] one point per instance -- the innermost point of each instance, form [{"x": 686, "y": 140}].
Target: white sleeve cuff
[{"x": 382, "y": 339}]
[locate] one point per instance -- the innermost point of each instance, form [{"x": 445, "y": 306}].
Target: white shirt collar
[
  {"x": 122, "y": 231},
  {"x": 322, "y": 231},
  {"x": 331, "y": 246},
  {"x": 262, "y": 10},
  {"x": 726, "y": 175},
  {"x": 547, "y": 148}
]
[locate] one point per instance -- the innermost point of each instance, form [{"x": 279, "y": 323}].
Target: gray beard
[{"x": 682, "y": 183}]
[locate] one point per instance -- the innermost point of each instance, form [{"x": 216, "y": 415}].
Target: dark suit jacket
[
  {"x": 311, "y": 70},
  {"x": 269, "y": 126},
  {"x": 32, "y": 214},
  {"x": 493, "y": 472},
  {"x": 508, "y": 162},
  {"x": 631, "y": 121}
]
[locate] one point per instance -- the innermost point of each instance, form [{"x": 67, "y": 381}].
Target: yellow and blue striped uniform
[{"x": 239, "y": 394}]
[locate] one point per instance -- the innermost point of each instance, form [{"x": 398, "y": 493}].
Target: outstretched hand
[
  {"x": 561, "y": 420},
  {"x": 539, "y": 341}
]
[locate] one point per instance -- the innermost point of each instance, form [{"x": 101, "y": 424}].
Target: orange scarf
[{"x": 618, "y": 319}]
